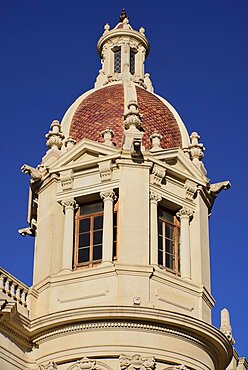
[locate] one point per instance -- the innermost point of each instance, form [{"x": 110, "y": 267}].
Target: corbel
[
  {"x": 105, "y": 170},
  {"x": 157, "y": 176},
  {"x": 190, "y": 189},
  {"x": 67, "y": 178}
]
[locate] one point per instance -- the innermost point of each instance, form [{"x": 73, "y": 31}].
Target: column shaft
[
  {"x": 69, "y": 206},
  {"x": 185, "y": 254},
  {"x": 154, "y": 199},
  {"x": 108, "y": 226}
]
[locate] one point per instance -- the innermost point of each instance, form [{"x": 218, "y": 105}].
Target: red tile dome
[{"x": 104, "y": 108}]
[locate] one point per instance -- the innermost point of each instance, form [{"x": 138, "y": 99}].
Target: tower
[{"x": 119, "y": 208}]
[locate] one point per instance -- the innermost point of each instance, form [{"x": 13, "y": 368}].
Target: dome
[{"x": 104, "y": 108}]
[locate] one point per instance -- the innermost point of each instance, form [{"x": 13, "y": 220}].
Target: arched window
[{"x": 168, "y": 240}]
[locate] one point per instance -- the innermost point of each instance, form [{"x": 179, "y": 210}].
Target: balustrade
[{"x": 13, "y": 287}]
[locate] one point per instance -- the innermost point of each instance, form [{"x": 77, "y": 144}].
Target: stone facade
[{"x": 121, "y": 266}]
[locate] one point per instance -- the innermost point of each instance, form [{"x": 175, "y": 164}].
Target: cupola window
[
  {"x": 117, "y": 60},
  {"x": 132, "y": 62},
  {"x": 168, "y": 240},
  {"x": 88, "y": 250}
]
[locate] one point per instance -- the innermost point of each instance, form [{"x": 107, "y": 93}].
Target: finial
[
  {"x": 69, "y": 143},
  {"x": 155, "y": 139},
  {"x": 107, "y": 135},
  {"x": 123, "y": 15},
  {"x": 142, "y": 30},
  {"x": 226, "y": 325},
  {"x": 55, "y": 136},
  {"x": 106, "y": 27}
]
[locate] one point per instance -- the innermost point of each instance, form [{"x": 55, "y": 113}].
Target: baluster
[{"x": 18, "y": 294}]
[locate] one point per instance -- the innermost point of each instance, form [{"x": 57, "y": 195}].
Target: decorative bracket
[
  {"x": 157, "y": 176},
  {"x": 190, "y": 189},
  {"x": 66, "y": 179},
  {"x": 105, "y": 169}
]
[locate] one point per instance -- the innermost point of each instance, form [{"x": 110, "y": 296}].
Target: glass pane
[
  {"x": 84, "y": 225},
  {"x": 97, "y": 237},
  {"x": 166, "y": 216},
  {"x": 114, "y": 249},
  {"x": 97, "y": 253},
  {"x": 169, "y": 261},
  {"x": 160, "y": 242},
  {"x": 169, "y": 246},
  {"x": 117, "y": 61},
  {"x": 98, "y": 222},
  {"x": 160, "y": 227},
  {"x": 169, "y": 231},
  {"x": 160, "y": 257},
  {"x": 87, "y": 209},
  {"x": 83, "y": 255},
  {"x": 132, "y": 62},
  {"x": 84, "y": 240}
]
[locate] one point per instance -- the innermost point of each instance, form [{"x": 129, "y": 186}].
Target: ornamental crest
[
  {"x": 136, "y": 362},
  {"x": 87, "y": 364}
]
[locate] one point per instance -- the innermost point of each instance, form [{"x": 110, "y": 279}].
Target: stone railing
[{"x": 13, "y": 287}]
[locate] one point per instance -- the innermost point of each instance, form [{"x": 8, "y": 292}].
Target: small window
[
  {"x": 117, "y": 60},
  {"x": 132, "y": 62},
  {"x": 88, "y": 234},
  {"x": 168, "y": 240}
]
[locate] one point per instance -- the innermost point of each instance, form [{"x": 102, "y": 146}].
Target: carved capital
[
  {"x": 157, "y": 175},
  {"x": 136, "y": 362},
  {"x": 105, "y": 169},
  {"x": 185, "y": 213},
  {"x": 108, "y": 195},
  {"x": 69, "y": 204},
  {"x": 191, "y": 189},
  {"x": 155, "y": 198},
  {"x": 66, "y": 178}
]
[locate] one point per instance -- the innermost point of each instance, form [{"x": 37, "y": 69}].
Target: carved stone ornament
[
  {"x": 133, "y": 117},
  {"x": 55, "y": 136},
  {"x": 69, "y": 204},
  {"x": 226, "y": 328},
  {"x": 158, "y": 175},
  {"x": 108, "y": 135},
  {"x": 35, "y": 173},
  {"x": 87, "y": 364},
  {"x": 155, "y": 139},
  {"x": 108, "y": 195},
  {"x": 155, "y": 197},
  {"x": 215, "y": 189},
  {"x": 191, "y": 189},
  {"x": 136, "y": 362},
  {"x": 66, "y": 178},
  {"x": 69, "y": 143},
  {"x": 50, "y": 366},
  {"x": 177, "y": 367},
  {"x": 184, "y": 213},
  {"x": 105, "y": 170}
]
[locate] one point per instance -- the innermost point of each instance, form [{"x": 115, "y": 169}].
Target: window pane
[
  {"x": 84, "y": 240},
  {"x": 117, "y": 61},
  {"x": 169, "y": 246},
  {"x": 84, "y": 225},
  {"x": 83, "y": 255},
  {"x": 169, "y": 231},
  {"x": 97, "y": 237},
  {"x": 160, "y": 242},
  {"x": 166, "y": 216},
  {"x": 160, "y": 227},
  {"x": 97, "y": 253},
  {"x": 169, "y": 261},
  {"x": 87, "y": 209},
  {"x": 132, "y": 62},
  {"x": 98, "y": 222},
  {"x": 160, "y": 257}
]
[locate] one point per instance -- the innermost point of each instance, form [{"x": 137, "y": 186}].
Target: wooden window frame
[
  {"x": 175, "y": 255},
  {"x": 78, "y": 217}
]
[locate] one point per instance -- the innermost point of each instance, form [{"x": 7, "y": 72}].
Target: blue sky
[{"x": 198, "y": 62}]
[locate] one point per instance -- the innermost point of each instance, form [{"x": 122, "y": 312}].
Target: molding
[{"x": 119, "y": 324}]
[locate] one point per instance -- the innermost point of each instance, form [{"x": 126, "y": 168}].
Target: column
[
  {"x": 154, "y": 199},
  {"x": 185, "y": 258},
  {"x": 69, "y": 206},
  {"x": 108, "y": 197}
]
